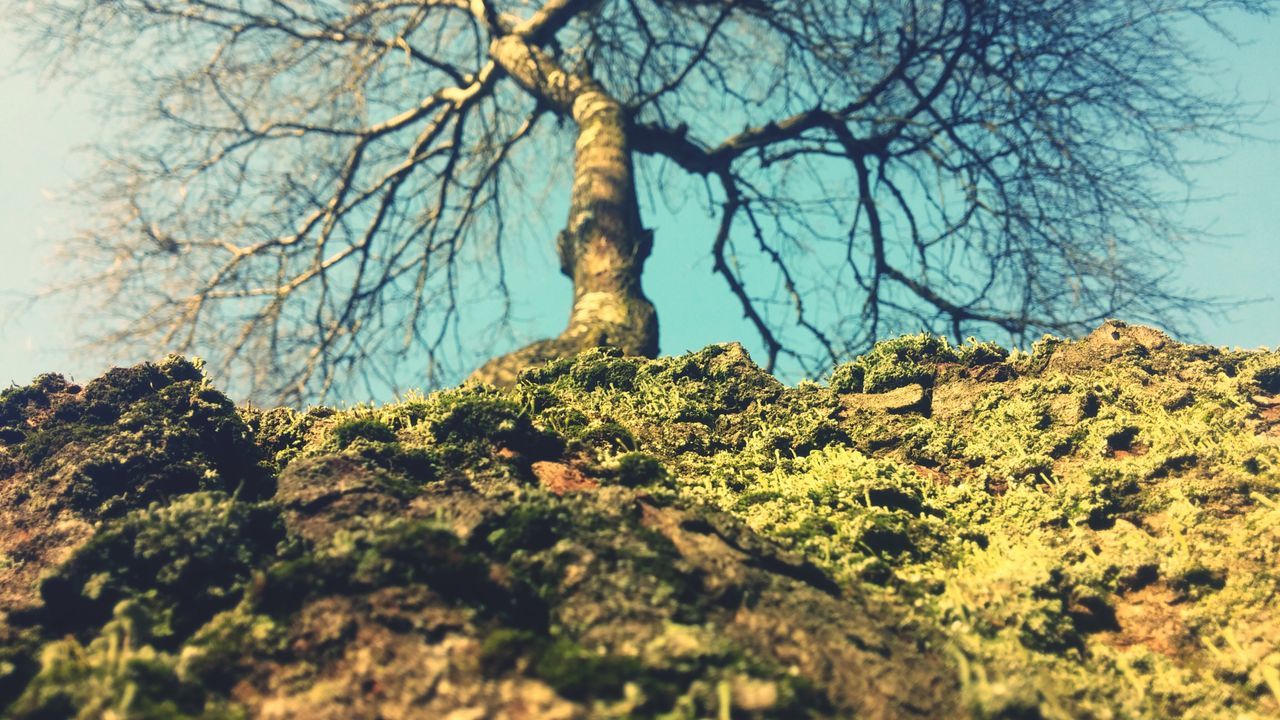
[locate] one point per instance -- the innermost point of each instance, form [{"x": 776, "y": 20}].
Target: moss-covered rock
[
  {"x": 182, "y": 562},
  {"x": 116, "y": 674},
  {"x": 115, "y": 461},
  {"x": 1089, "y": 529},
  {"x": 128, "y": 438}
]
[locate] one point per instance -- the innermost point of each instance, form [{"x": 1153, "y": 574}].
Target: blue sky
[{"x": 42, "y": 123}]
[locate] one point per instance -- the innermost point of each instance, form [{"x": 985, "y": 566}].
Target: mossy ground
[{"x": 1091, "y": 529}]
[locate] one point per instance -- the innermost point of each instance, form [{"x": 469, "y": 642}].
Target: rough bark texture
[{"x": 603, "y": 246}]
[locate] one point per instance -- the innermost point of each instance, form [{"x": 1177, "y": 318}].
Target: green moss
[
  {"x": 476, "y": 421},
  {"x": 603, "y": 368},
  {"x": 796, "y": 435},
  {"x": 19, "y": 655},
  {"x": 371, "y": 438},
  {"x": 1268, "y": 379},
  {"x": 578, "y": 673},
  {"x": 116, "y": 675},
  {"x": 904, "y": 361},
  {"x": 682, "y": 674},
  {"x": 1086, "y": 530},
  {"x": 640, "y": 470},
  {"x": 17, "y": 404},
  {"x": 564, "y": 421},
  {"x": 379, "y": 552},
  {"x": 609, "y": 436},
  {"x": 910, "y": 360},
  {"x": 184, "y": 561},
  {"x": 371, "y": 429},
  {"x": 847, "y": 378},
  {"x": 224, "y": 649},
  {"x": 527, "y": 527},
  {"x": 548, "y": 373},
  {"x": 974, "y": 353},
  {"x": 134, "y": 436},
  {"x": 281, "y": 433},
  {"x": 503, "y": 649}
]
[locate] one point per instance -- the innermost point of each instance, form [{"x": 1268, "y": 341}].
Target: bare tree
[{"x": 310, "y": 189}]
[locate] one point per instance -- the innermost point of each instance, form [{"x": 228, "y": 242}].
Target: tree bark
[{"x": 604, "y": 245}]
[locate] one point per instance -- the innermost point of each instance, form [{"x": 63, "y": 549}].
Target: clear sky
[{"x": 42, "y": 123}]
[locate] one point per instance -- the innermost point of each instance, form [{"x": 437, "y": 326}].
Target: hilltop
[{"x": 1089, "y": 529}]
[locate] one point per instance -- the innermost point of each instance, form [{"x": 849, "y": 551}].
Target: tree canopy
[{"x": 312, "y": 192}]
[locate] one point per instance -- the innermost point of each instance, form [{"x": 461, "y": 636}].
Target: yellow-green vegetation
[{"x": 1091, "y": 529}]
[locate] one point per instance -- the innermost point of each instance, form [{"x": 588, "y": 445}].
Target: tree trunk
[{"x": 603, "y": 246}]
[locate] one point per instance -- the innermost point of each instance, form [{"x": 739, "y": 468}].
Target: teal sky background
[{"x": 42, "y": 123}]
